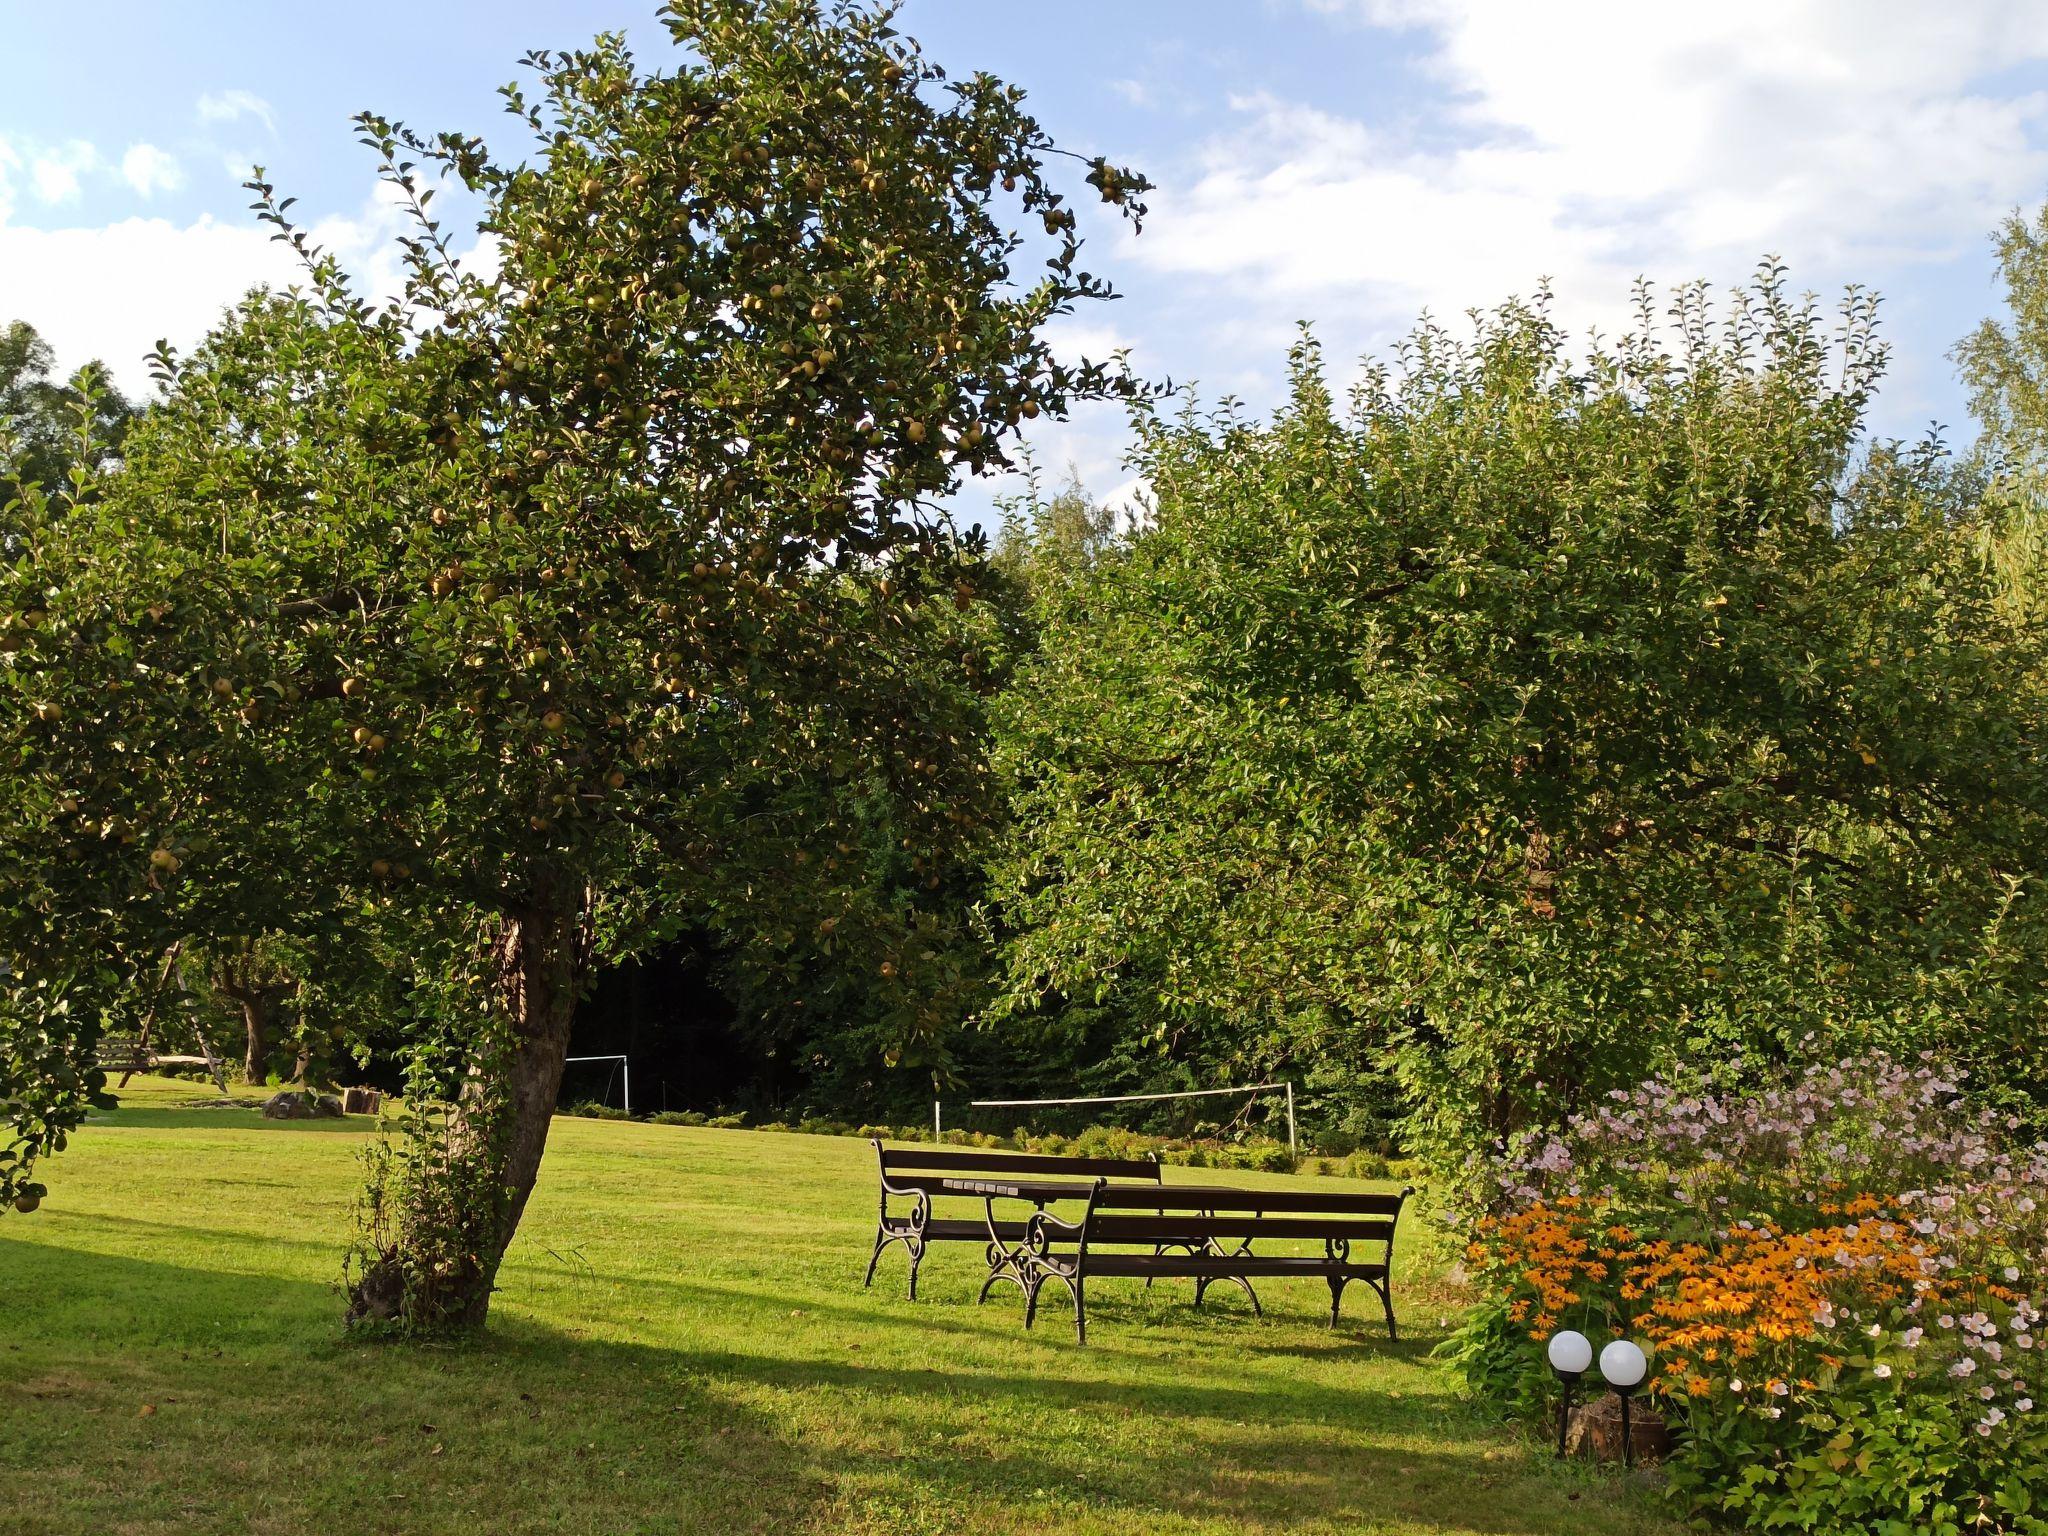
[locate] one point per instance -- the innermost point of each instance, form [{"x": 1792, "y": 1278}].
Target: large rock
[{"x": 291, "y": 1105}]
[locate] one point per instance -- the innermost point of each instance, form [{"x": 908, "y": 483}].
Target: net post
[
  {"x": 936, "y": 1132},
  {"x": 1290, "y": 1115},
  {"x": 626, "y": 1090}
]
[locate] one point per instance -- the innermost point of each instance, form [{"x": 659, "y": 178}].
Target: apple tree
[{"x": 585, "y": 584}]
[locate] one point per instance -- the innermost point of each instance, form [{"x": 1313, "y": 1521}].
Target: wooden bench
[
  {"x": 130, "y": 1054},
  {"x": 1207, "y": 1235},
  {"x": 919, "y": 1175}
]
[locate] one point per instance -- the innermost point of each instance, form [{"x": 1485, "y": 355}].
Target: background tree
[
  {"x": 255, "y": 977},
  {"x": 48, "y": 425},
  {"x": 2005, "y": 365},
  {"x": 573, "y": 594},
  {"x": 1531, "y": 720}
]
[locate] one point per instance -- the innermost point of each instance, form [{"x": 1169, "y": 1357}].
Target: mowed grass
[{"x": 681, "y": 1344}]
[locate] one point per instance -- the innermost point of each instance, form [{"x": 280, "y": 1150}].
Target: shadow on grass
[
  {"x": 219, "y": 1117},
  {"x": 263, "y": 1413}
]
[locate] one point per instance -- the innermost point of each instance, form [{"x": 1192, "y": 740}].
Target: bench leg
[
  {"x": 1387, "y": 1303},
  {"x": 1076, "y": 1288},
  {"x": 1203, "y": 1283},
  {"x": 1337, "y": 1283},
  {"x": 912, "y": 1244}
]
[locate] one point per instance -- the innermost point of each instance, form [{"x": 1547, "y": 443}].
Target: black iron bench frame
[
  {"x": 921, "y": 1174},
  {"x": 1188, "y": 1242}
]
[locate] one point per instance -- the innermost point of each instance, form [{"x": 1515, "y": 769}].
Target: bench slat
[
  {"x": 1167, "y": 1229},
  {"x": 1199, "y": 1266},
  {"x": 1311, "y": 1202},
  {"x": 1039, "y": 1164},
  {"x": 960, "y": 1231}
]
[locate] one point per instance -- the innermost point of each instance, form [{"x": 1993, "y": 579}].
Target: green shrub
[
  {"x": 590, "y": 1110},
  {"x": 727, "y": 1122},
  {"x": 677, "y": 1117}
]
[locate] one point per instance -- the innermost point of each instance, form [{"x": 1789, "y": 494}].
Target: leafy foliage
[{"x": 1526, "y": 723}]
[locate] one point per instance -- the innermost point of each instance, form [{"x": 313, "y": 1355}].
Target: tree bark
[
  {"x": 539, "y": 955},
  {"x": 256, "y": 1046},
  {"x": 240, "y": 981}
]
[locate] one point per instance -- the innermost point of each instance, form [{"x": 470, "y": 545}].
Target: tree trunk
[
  {"x": 240, "y": 982},
  {"x": 256, "y": 1024},
  {"x": 538, "y": 957},
  {"x": 434, "y": 1251}
]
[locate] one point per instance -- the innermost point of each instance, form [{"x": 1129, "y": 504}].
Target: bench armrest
[
  {"x": 920, "y": 1200},
  {"x": 1046, "y": 1227},
  {"x": 1042, "y": 1229}
]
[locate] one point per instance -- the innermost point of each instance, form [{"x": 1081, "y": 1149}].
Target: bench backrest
[
  {"x": 1186, "y": 1214},
  {"x": 118, "y": 1050},
  {"x": 933, "y": 1163}
]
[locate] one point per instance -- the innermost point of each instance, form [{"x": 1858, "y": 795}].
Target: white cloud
[
  {"x": 150, "y": 170},
  {"x": 232, "y": 106},
  {"x": 1073, "y": 341},
  {"x": 1594, "y": 142},
  {"x": 54, "y": 173},
  {"x": 111, "y": 291}
]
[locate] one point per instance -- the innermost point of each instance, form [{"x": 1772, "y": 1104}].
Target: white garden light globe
[
  {"x": 1622, "y": 1365},
  {"x": 1570, "y": 1353}
]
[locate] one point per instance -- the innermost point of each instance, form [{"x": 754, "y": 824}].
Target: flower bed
[{"x": 1838, "y": 1281}]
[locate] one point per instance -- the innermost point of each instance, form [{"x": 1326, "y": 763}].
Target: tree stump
[
  {"x": 361, "y": 1101},
  {"x": 1595, "y": 1431}
]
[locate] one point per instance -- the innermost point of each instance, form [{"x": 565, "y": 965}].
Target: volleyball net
[{"x": 1249, "y": 1092}]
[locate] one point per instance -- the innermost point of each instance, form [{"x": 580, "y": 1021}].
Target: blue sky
[{"x": 1349, "y": 162}]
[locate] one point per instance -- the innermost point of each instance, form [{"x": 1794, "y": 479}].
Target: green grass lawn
[{"x": 681, "y": 1344}]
